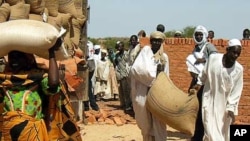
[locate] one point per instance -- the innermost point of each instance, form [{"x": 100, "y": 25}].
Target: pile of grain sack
[{"x": 57, "y": 14}]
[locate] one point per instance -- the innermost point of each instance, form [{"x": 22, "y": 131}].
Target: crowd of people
[
  {"x": 35, "y": 102},
  {"x": 213, "y": 81}
]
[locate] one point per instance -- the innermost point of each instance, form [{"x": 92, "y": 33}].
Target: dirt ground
[{"x": 126, "y": 132}]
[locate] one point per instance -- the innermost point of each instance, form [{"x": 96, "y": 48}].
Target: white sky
[{"x": 122, "y": 18}]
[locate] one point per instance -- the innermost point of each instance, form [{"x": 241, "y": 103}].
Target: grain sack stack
[
  {"x": 58, "y": 13},
  {"x": 33, "y": 26},
  {"x": 174, "y": 107}
]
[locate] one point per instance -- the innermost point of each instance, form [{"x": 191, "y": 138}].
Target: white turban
[
  {"x": 97, "y": 47},
  {"x": 203, "y": 30},
  {"x": 234, "y": 42},
  {"x": 178, "y": 32},
  {"x": 157, "y": 35}
]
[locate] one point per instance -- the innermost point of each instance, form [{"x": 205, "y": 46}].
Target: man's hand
[
  {"x": 231, "y": 114},
  {"x": 196, "y": 87},
  {"x": 192, "y": 92}
]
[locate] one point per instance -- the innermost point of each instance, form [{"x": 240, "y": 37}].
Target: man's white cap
[
  {"x": 234, "y": 42},
  {"x": 97, "y": 47},
  {"x": 178, "y": 32},
  {"x": 104, "y": 51}
]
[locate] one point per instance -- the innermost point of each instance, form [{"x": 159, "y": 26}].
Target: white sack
[{"x": 29, "y": 36}]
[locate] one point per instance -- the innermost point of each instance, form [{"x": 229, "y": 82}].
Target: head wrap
[
  {"x": 104, "y": 51},
  {"x": 178, "y": 32},
  {"x": 234, "y": 42},
  {"x": 157, "y": 35},
  {"x": 203, "y": 30},
  {"x": 97, "y": 47},
  {"x": 159, "y": 54}
]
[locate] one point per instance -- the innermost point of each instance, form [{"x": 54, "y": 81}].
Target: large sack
[
  {"x": 174, "y": 107},
  {"x": 67, "y": 6},
  {"x": 13, "y": 2},
  {"x": 52, "y": 6},
  {"x": 4, "y": 12},
  {"x": 19, "y": 11},
  {"x": 36, "y": 6},
  {"x": 29, "y": 36}
]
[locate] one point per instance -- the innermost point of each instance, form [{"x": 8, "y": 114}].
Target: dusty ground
[{"x": 101, "y": 131}]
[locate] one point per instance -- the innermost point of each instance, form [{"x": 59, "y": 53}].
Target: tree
[
  {"x": 169, "y": 34},
  {"x": 188, "y": 32}
]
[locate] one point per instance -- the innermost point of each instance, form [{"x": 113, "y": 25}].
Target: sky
[{"x": 123, "y": 18}]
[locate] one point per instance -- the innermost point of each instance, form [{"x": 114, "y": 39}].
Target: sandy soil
[{"x": 126, "y": 132}]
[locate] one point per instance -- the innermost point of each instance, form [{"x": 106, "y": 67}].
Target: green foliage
[
  {"x": 109, "y": 42},
  {"x": 169, "y": 34},
  {"x": 188, "y": 31}
]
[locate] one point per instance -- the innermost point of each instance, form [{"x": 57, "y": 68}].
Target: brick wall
[{"x": 179, "y": 49}]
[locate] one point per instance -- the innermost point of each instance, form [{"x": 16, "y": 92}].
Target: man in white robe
[
  {"x": 149, "y": 61},
  {"x": 101, "y": 74},
  {"x": 195, "y": 63},
  {"x": 222, "y": 77}
]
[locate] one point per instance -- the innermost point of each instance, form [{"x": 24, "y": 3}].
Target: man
[
  {"x": 91, "y": 79},
  {"x": 210, "y": 35},
  {"x": 141, "y": 34},
  {"x": 160, "y": 27},
  {"x": 177, "y": 34},
  {"x": 122, "y": 76},
  {"x": 102, "y": 83},
  {"x": 134, "y": 48},
  {"x": 246, "y": 34},
  {"x": 148, "y": 63},
  {"x": 202, "y": 50},
  {"x": 222, "y": 78}
]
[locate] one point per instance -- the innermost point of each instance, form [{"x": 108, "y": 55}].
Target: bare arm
[{"x": 53, "y": 74}]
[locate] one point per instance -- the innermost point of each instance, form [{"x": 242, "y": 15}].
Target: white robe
[
  {"x": 143, "y": 73},
  {"x": 221, "y": 93},
  {"x": 102, "y": 83}
]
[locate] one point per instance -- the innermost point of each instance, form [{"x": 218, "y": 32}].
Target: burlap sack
[
  {"x": 52, "y": 6},
  {"x": 4, "y": 12},
  {"x": 19, "y": 11},
  {"x": 78, "y": 6},
  {"x": 174, "y": 107},
  {"x": 67, "y": 6},
  {"x": 13, "y": 2},
  {"x": 61, "y": 20},
  {"x": 36, "y": 6},
  {"x": 77, "y": 24},
  {"x": 29, "y": 36},
  {"x": 36, "y": 17}
]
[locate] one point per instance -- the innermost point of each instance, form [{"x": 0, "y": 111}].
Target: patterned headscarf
[{"x": 8, "y": 80}]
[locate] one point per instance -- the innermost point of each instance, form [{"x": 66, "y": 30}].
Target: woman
[{"x": 25, "y": 90}]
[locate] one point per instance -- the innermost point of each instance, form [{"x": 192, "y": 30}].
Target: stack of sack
[{"x": 33, "y": 26}]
